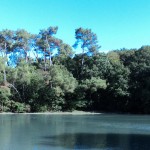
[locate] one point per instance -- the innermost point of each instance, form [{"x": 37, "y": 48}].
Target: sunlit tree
[
  {"x": 47, "y": 42},
  {"x": 88, "y": 41}
]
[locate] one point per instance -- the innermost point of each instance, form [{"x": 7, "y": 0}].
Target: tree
[
  {"x": 118, "y": 87},
  {"x": 22, "y": 38},
  {"x": 89, "y": 92},
  {"x": 113, "y": 57},
  {"x": 64, "y": 53},
  {"x": 95, "y": 66},
  {"x": 88, "y": 41},
  {"x": 3, "y": 61},
  {"x": 6, "y": 41},
  {"x": 139, "y": 65},
  {"x": 20, "y": 77},
  {"x": 59, "y": 82},
  {"x": 48, "y": 43},
  {"x": 4, "y": 96}
]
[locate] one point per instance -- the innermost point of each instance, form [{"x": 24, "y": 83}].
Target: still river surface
[{"x": 74, "y": 132}]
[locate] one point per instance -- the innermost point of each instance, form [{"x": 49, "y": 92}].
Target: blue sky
[{"x": 117, "y": 23}]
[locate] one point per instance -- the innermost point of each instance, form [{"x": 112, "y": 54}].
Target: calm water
[{"x": 74, "y": 132}]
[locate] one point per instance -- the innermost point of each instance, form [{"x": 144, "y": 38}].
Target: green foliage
[
  {"x": 6, "y": 41},
  {"x": 64, "y": 53},
  {"x": 93, "y": 84},
  {"x": 118, "y": 81},
  {"x": 88, "y": 91},
  {"x": 22, "y": 38},
  {"x": 19, "y": 107},
  {"x": 58, "y": 82},
  {"x": 113, "y": 57},
  {"x": 47, "y": 42},
  {"x": 89, "y": 44},
  {"x": 4, "y": 93},
  {"x": 88, "y": 39},
  {"x": 4, "y": 97},
  {"x": 24, "y": 72}
]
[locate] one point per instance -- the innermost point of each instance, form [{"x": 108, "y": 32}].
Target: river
[{"x": 74, "y": 132}]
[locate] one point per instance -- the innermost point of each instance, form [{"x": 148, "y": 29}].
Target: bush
[{"x": 19, "y": 107}]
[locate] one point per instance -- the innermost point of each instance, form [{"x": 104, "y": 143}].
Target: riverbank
[{"x": 58, "y": 113}]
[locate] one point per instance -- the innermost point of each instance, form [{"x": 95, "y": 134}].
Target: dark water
[{"x": 74, "y": 132}]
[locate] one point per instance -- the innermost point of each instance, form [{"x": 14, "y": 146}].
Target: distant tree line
[{"x": 42, "y": 73}]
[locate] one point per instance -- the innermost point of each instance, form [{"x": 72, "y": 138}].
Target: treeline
[{"x": 42, "y": 73}]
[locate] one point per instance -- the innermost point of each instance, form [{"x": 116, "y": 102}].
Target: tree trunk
[
  {"x": 82, "y": 62},
  {"x": 82, "y": 57},
  {"x": 44, "y": 60},
  {"x": 4, "y": 75},
  {"x": 50, "y": 59},
  {"x": 50, "y": 55},
  {"x": 13, "y": 86},
  {"x": 26, "y": 57},
  {"x": 37, "y": 57},
  {"x": 5, "y": 51},
  {"x": 4, "y": 70}
]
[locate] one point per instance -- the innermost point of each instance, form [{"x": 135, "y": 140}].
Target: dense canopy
[{"x": 42, "y": 73}]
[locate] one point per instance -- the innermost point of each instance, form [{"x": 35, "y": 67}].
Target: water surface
[{"x": 74, "y": 132}]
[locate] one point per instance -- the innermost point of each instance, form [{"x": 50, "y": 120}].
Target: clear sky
[{"x": 117, "y": 23}]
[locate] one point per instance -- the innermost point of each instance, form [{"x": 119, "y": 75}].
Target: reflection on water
[
  {"x": 74, "y": 132},
  {"x": 98, "y": 141}
]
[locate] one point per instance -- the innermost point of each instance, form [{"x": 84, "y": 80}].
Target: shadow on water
[{"x": 98, "y": 141}]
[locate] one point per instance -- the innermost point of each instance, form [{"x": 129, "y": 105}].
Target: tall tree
[
  {"x": 88, "y": 41},
  {"x": 48, "y": 43},
  {"x": 22, "y": 39},
  {"x": 3, "y": 61},
  {"x": 6, "y": 42},
  {"x": 59, "y": 82},
  {"x": 65, "y": 52}
]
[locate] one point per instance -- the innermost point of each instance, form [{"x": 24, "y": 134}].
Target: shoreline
[{"x": 57, "y": 113}]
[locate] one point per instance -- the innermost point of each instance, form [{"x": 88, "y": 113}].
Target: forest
[{"x": 39, "y": 73}]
